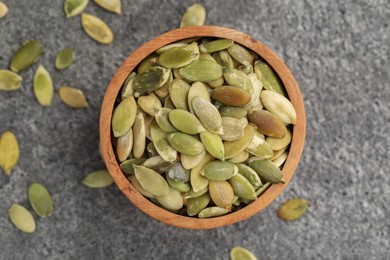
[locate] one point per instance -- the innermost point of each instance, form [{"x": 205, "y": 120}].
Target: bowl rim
[{"x": 158, "y": 213}]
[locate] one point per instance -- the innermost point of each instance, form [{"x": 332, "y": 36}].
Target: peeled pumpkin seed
[
  {"x": 151, "y": 181},
  {"x": 236, "y": 112},
  {"x": 247, "y": 69},
  {"x": 9, "y": 151},
  {"x": 219, "y": 170},
  {"x": 216, "y": 83},
  {"x": 231, "y": 96},
  {"x": 180, "y": 186},
  {"x": 43, "y": 86},
  {"x": 281, "y": 159},
  {"x": 40, "y": 199},
  {"x": 170, "y": 46},
  {"x": 240, "y": 54},
  {"x": 150, "y": 80},
  {"x": 262, "y": 189},
  {"x": 216, "y": 45},
  {"x": 139, "y": 187},
  {"x": 206, "y": 56},
  {"x": 192, "y": 194},
  {"x": 150, "y": 104},
  {"x": 240, "y": 253},
  {"x": 157, "y": 163},
  {"x": 221, "y": 193},
  {"x": 98, "y": 179},
  {"x": 177, "y": 57},
  {"x": 267, "y": 123},
  {"x": 195, "y": 15},
  {"x": 213, "y": 144},
  {"x": 185, "y": 143},
  {"x": 110, "y": 5},
  {"x": 250, "y": 175},
  {"x": 139, "y": 136},
  {"x": 233, "y": 129},
  {"x": 224, "y": 59},
  {"x": 190, "y": 161},
  {"x": 242, "y": 187},
  {"x": 127, "y": 89},
  {"x": 279, "y": 105},
  {"x": 185, "y": 122},
  {"x": 168, "y": 103},
  {"x": 127, "y": 166},
  {"x": 3, "y": 10},
  {"x": 147, "y": 63},
  {"x": 212, "y": 212},
  {"x": 269, "y": 79},
  {"x": 72, "y": 97},
  {"x": 233, "y": 148},
  {"x": 22, "y": 218},
  {"x": 9, "y": 80},
  {"x": 26, "y": 55},
  {"x": 239, "y": 158},
  {"x": 124, "y": 116},
  {"x": 293, "y": 209},
  {"x": 279, "y": 143},
  {"x": 201, "y": 70},
  {"x": 255, "y": 102},
  {"x": 195, "y": 205},
  {"x": 277, "y": 154},
  {"x": 162, "y": 119},
  {"x": 171, "y": 201},
  {"x": 198, "y": 182},
  {"x": 178, "y": 173},
  {"x": 65, "y": 58},
  {"x": 267, "y": 171},
  {"x": 239, "y": 79},
  {"x": 96, "y": 28},
  {"x": 148, "y": 122},
  {"x": 208, "y": 115},
  {"x": 164, "y": 149},
  {"x": 179, "y": 93},
  {"x": 197, "y": 89},
  {"x": 74, "y": 7},
  {"x": 259, "y": 147},
  {"x": 163, "y": 92}
]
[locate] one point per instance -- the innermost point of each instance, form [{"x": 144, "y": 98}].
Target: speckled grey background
[{"x": 337, "y": 50}]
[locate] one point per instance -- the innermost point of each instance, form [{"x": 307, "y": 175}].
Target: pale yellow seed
[
  {"x": 3, "y": 10},
  {"x": 110, "y": 5},
  {"x": 96, "y": 29},
  {"x": 72, "y": 97},
  {"x": 74, "y": 7},
  {"x": 9, "y": 151},
  {"x": 22, "y": 218},
  {"x": 43, "y": 86}
]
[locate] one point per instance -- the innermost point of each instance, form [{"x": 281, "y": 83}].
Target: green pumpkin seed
[
  {"x": 124, "y": 116},
  {"x": 233, "y": 148},
  {"x": 255, "y": 102},
  {"x": 150, "y": 104},
  {"x": 190, "y": 161},
  {"x": 216, "y": 83},
  {"x": 180, "y": 186},
  {"x": 236, "y": 112},
  {"x": 96, "y": 29},
  {"x": 216, "y": 45},
  {"x": 9, "y": 80},
  {"x": 127, "y": 89},
  {"x": 72, "y": 97},
  {"x": 185, "y": 122},
  {"x": 233, "y": 129},
  {"x": 40, "y": 199},
  {"x": 239, "y": 79},
  {"x": 162, "y": 119},
  {"x": 242, "y": 187},
  {"x": 178, "y": 173},
  {"x": 139, "y": 187},
  {"x": 185, "y": 143},
  {"x": 195, "y": 15},
  {"x": 127, "y": 166},
  {"x": 221, "y": 193},
  {"x": 192, "y": 194},
  {"x": 177, "y": 57},
  {"x": 236, "y": 201},
  {"x": 198, "y": 89},
  {"x": 213, "y": 144},
  {"x": 151, "y": 181},
  {"x": 110, "y": 5},
  {"x": 26, "y": 55},
  {"x": 219, "y": 170},
  {"x": 231, "y": 96},
  {"x": 262, "y": 189},
  {"x": 208, "y": 115},
  {"x": 279, "y": 143},
  {"x": 201, "y": 70},
  {"x": 206, "y": 56},
  {"x": 150, "y": 80},
  {"x": 279, "y": 105},
  {"x": 171, "y": 201},
  {"x": 267, "y": 171},
  {"x": 157, "y": 163},
  {"x": 98, "y": 179},
  {"x": 3, "y": 10},
  {"x": 9, "y": 151},
  {"x": 212, "y": 212},
  {"x": 147, "y": 63},
  {"x": 169, "y": 104},
  {"x": 259, "y": 147},
  {"x": 164, "y": 149},
  {"x": 277, "y": 154},
  {"x": 74, "y": 7},
  {"x": 198, "y": 182},
  {"x": 171, "y": 46},
  {"x": 281, "y": 159},
  {"x": 22, "y": 218},
  {"x": 179, "y": 93},
  {"x": 224, "y": 59},
  {"x": 43, "y": 86},
  {"x": 240, "y": 54},
  {"x": 250, "y": 175},
  {"x": 267, "y": 123},
  {"x": 65, "y": 58},
  {"x": 269, "y": 79},
  {"x": 293, "y": 209},
  {"x": 195, "y": 205},
  {"x": 239, "y": 158},
  {"x": 139, "y": 136},
  {"x": 240, "y": 253},
  {"x": 247, "y": 69}
]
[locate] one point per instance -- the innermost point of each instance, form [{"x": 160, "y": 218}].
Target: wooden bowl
[{"x": 154, "y": 211}]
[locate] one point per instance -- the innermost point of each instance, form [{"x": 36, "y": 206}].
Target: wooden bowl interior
[{"x": 296, "y": 147}]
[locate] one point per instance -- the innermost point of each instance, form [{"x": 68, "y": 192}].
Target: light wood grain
[{"x": 298, "y": 139}]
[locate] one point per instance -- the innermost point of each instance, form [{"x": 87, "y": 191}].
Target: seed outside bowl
[{"x": 156, "y": 212}]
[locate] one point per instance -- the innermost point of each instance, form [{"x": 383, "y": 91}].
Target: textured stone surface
[{"x": 337, "y": 50}]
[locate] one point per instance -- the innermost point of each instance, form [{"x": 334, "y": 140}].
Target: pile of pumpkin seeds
[{"x": 202, "y": 127}]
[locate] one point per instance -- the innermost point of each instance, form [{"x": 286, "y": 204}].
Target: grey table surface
[{"x": 337, "y": 50}]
